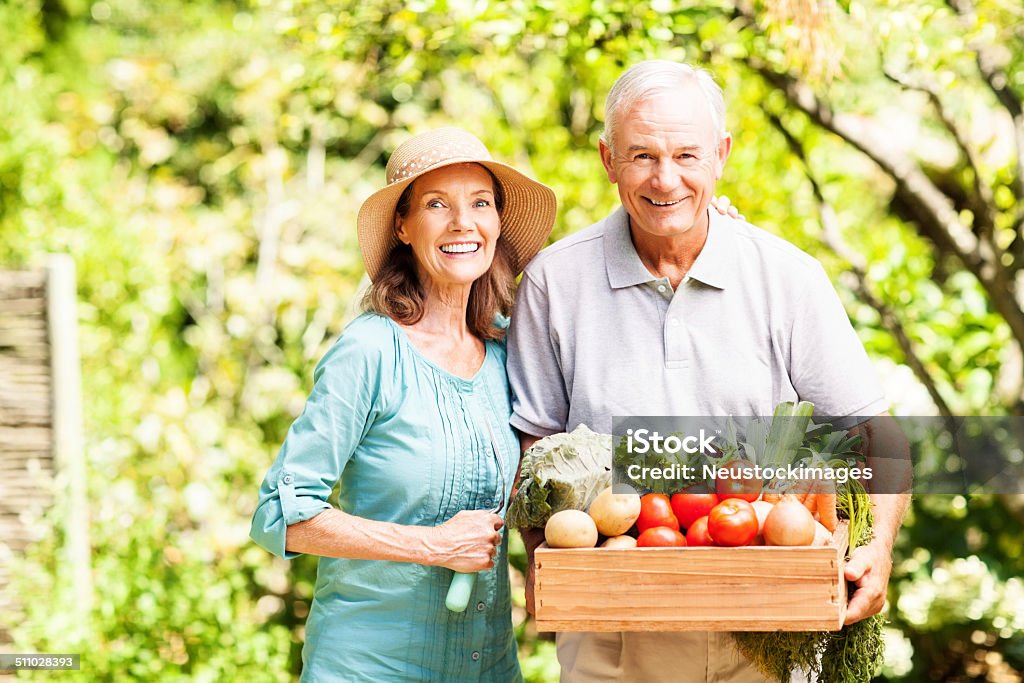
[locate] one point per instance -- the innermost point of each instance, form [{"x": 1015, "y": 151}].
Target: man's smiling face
[{"x": 666, "y": 159}]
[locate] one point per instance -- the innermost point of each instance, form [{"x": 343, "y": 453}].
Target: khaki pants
[{"x": 654, "y": 658}]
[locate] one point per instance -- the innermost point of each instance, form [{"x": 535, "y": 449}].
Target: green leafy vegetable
[
  {"x": 561, "y": 472},
  {"x": 786, "y": 434}
]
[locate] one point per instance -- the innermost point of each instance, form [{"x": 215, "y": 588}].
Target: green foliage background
[{"x": 204, "y": 162}]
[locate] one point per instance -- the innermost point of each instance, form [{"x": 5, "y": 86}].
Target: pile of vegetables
[
  {"x": 655, "y": 519},
  {"x": 565, "y": 488}
]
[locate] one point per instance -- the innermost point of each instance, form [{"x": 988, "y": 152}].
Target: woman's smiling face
[{"x": 452, "y": 224}]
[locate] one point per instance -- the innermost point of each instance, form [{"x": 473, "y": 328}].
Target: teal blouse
[{"x": 407, "y": 443}]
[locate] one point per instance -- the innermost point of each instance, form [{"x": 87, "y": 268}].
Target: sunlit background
[{"x": 203, "y": 162}]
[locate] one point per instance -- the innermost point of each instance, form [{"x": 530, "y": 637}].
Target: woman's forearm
[
  {"x": 334, "y": 533},
  {"x": 466, "y": 543}
]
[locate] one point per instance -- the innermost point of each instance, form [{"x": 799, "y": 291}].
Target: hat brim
[{"x": 526, "y": 219}]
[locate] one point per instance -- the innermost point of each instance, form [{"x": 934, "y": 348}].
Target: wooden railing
[{"x": 41, "y": 453}]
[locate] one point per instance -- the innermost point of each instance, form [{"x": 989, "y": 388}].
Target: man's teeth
[
  {"x": 465, "y": 248},
  {"x": 663, "y": 203}
]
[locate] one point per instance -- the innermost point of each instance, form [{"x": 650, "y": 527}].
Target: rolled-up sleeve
[{"x": 320, "y": 442}]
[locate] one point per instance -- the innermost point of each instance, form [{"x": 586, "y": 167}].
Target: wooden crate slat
[
  {"x": 738, "y": 624},
  {"x": 567, "y": 588},
  {"x": 673, "y": 598}
]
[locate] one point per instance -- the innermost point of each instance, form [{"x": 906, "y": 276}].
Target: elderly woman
[{"x": 409, "y": 416}]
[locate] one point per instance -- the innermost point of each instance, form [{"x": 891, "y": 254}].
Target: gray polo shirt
[{"x": 755, "y": 322}]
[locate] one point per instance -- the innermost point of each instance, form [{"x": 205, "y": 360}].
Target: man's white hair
[{"x": 659, "y": 75}]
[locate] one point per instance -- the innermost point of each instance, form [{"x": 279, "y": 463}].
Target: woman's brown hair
[{"x": 398, "y": 293}]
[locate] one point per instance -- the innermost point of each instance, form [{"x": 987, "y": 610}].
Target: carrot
[
  {"x": 803, "y": 491},
  {"x": 827, "y": 506}
]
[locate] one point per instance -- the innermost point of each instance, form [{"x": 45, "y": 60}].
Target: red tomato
[
  {"x": 698, "y": 534},
  {"x": 659, "y": 537},
  {"x": 692, "y": 504},
  {"x": 656, "y": 510},
  {"x": 748, "y": 489},
  {"x": 733, "y": 522}
]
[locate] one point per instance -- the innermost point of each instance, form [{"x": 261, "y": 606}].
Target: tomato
[
  {"x": 692, "y": 504},
  {"x": 656, "y": 510},
  {"x": 748, "y": 488},
  {"x": 733, "y": 522},
  {"x": 660, "y": 536},
  {"x": 698, "y": 534}
]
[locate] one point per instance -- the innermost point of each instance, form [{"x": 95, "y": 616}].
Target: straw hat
[{"x": 526, "y": 220}]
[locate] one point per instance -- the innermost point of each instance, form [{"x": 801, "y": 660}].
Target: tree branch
[
  {"x": 932, "y": 209},
  {"x": 834, "y": 241},
  {"x": 983, "y": 202},
  {"x": 998, "y": 82}
]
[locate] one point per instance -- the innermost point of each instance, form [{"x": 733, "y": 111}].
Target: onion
[
  {"x": 822, "y": 536},
  {"x": 789, "y": 523},
  {"x": 762, "y": 509}
]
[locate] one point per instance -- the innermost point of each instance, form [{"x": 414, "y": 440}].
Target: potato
[
  {"x": 570, "y": 529},
  {"x": 614, "y": 513},
  {"x": 619, "y": 542}
]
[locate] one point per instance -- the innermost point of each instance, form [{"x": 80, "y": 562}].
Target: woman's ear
[{"x": 400, "y": 230}]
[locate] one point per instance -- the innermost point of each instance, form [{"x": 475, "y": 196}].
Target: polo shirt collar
[
  {"x": 625, "y": 269},
  {"x": 716, "y": 261}
]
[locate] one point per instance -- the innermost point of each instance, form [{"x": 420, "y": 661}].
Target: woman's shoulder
[
  {"x": 369, "y": 339},
  {"x": 370, "y": 327}
]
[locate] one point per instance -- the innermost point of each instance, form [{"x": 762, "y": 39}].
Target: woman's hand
[
  {"x": 468, "y": 541},
  {"x": 723, "y": 206}
]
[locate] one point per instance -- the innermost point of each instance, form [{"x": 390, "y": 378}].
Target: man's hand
[{"x": 868, "y": 568}]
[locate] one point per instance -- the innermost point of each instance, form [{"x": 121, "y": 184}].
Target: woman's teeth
[{"x": 464, "y": 248}]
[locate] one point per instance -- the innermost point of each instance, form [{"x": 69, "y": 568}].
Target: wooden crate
[{"x": 752, "y": 588}]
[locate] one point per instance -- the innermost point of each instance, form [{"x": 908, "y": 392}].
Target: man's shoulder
[{"x": 772, "y": 250}]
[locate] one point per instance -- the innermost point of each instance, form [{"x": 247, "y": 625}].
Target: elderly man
[{"x": 665, "y": 308}]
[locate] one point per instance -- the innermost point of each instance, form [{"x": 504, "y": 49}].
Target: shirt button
[
  {"x": 287, "y": 478},
  {"x": 475, "y": 656},
  {"x": 661, "y": 288},
  {"x": 480, "y": 607},
  {"x": 674, "y": 322}
]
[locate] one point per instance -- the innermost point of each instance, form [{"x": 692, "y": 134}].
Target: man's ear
[
  {"x": 606, "y": 159},
  {"x": 724, "y": 149}
]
